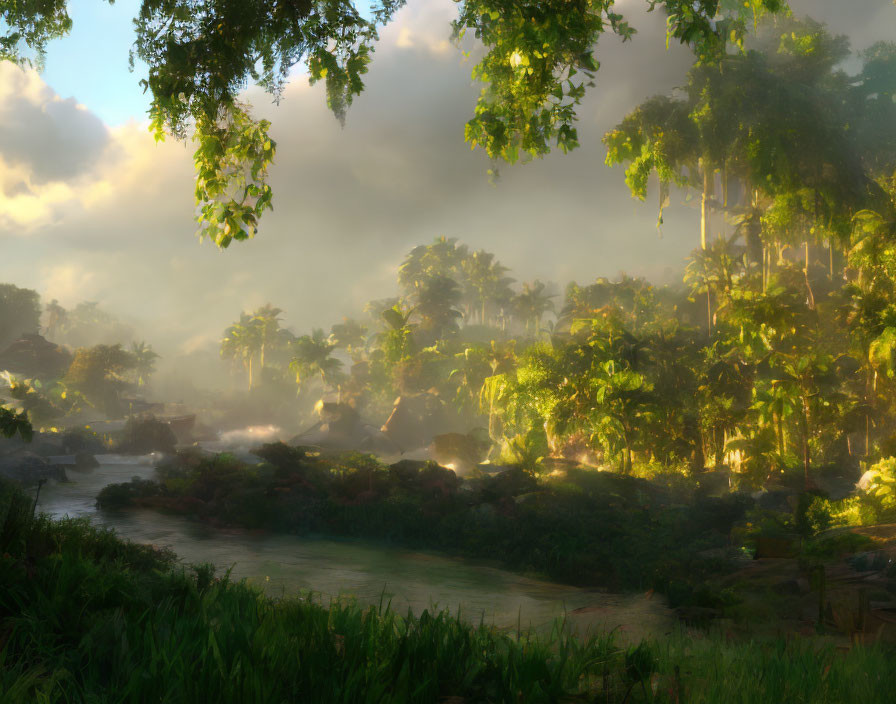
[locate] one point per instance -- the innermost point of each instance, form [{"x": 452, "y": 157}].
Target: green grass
[{"x": 86, "y": 617}]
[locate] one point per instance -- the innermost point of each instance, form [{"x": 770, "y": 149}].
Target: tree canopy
[{"x": 539, "y": 60}]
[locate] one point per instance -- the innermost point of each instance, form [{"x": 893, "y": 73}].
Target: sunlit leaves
[
  {"x": 658, "y": 137},
  {"x": 15, "y": 422},
  {"x": 203, "y": 53},
  {"x": 31, "y": 24},
  {"x": 540, "y": 57},
  {"x": 232, "y": 161},
  {"x": 709, "y": 26},
  {"x": 312, "y": 357}
]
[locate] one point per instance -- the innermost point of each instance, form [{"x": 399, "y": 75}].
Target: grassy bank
[
  {"x": 589, "y": 528},
  {"x": 85, "y": 617}
]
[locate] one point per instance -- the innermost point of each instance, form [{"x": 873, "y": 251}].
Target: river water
[{"x": 288, "y": 565}]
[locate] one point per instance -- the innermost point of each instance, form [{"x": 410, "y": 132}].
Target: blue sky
[{"x": 91, "y": 63}]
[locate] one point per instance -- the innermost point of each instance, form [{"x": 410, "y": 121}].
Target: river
[{"x": 288, "y": 565}]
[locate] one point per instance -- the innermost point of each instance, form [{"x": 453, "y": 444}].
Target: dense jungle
[{"x": 479, "y": 485}]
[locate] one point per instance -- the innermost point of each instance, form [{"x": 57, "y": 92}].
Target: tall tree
[
  {"x": 531, "y": 304},
  {"x": 241, "y": 343}
]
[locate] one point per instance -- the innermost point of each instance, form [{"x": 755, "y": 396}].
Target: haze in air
[{"x": 348, "y": 360}]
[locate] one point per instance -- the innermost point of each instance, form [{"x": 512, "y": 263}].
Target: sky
[{"x": 91, "y": 208}]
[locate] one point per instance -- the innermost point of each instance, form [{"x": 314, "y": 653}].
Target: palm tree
[
  {"x": 351, "y": 336},
  {"x": 444, "y": 257},
  {"x": 485, "y": 282},
  {"x": 436, "y": 301},
  {"x": 312, "y": 357},
  {"x": 532, "y": 303},
  {"x": 144, "y": 361},
  {"x": 397, "y": 338},
  {"x": 266, "y": 322},
  {"x": 714, "y": 271},
  {"x": 241, "y": 342},
  {"x": 56, "y": 317}
]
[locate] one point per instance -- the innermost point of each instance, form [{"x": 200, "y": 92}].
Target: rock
[{"x": 459, "y": 451}]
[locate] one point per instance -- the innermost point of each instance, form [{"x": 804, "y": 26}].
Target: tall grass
[{"x": 86, "y": 617}]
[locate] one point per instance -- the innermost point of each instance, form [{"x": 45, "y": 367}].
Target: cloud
[
  {"x": 56, "y": 139},
  {"x": 112, "y": 221}
]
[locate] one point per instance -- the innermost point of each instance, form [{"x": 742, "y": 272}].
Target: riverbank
[
  {"x": 370, "y": 570},
  {"x": 588, "y": 528},
  {"x": 87, "y": 617}
]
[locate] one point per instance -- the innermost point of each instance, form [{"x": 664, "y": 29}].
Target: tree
[
  {"x": 56, "y": 317},
  {"x": 436, "y": 301},
  {"x": 351, "y": 336},
  {"x": 396, "y": 341},
  {"x": 660, "y": 138},
  {"x": 241, "y": 342},
  {"x": 265, "y": 323},
  {"x": 485, "y": 283},
  {"x": 532, "y": 303},
  {"x": 202, "y": 53},
  {"x": 713, "y": 272},
  {"x": 19, "y": 313},
  {"x": 100, "y": 374},
  {"x": 312, "y": 357},
  {"x": 144, "y": 361},
  {"x": 88, "y": 324},
  {"x": 444, "y": 257}
]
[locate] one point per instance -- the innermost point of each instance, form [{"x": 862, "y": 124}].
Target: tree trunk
[
  {"x": 831, "y": 256},
  {"x": 250, "y": 372},
  {"x": 704, "y": 204},
  {"x": 811, "y": 297},
  {"x": 806, "y": 457},
  {"x": 627, "y": 453},
  {"x": 779, "y": 433},
  {"x": 725, "y": 186},
  {"x": 708, "y": 311}
]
